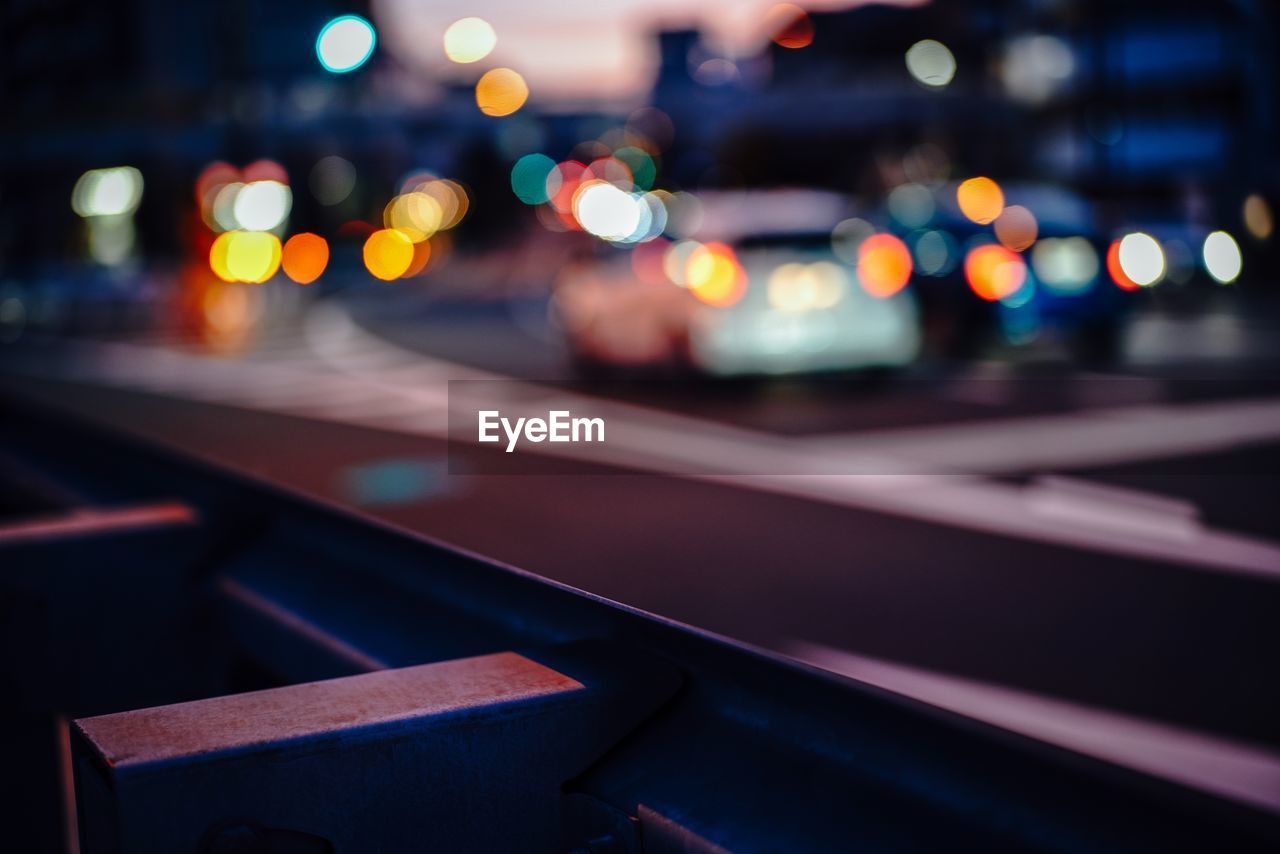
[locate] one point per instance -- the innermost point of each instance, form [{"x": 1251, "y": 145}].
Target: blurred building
[
  {"x": 1137, "y": 102},
  {"x": 821, "y": 114}
]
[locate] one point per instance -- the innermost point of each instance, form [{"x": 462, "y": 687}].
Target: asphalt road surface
[{"x": 1122, "y": 605}]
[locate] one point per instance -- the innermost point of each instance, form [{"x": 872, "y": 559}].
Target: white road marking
[
  {"x": 1248, "y": 773},
  {"x": 688, "y": 447},
  {"x": 360, "y": 378}
]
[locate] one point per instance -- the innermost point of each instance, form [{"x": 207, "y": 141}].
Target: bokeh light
[
  {"x": 641, "y": 165},
  {"x": 1116, "y": 271},
  {"x": 107, "y": 192},
  {"x": 676, "y": 262},
  {"x": 265, "y": 170},
  {"x": 305, "y": 257},
  {"x": 563, "y": 183},
  {"x": 1257, "y": 217},
  {"x": 1016, "y": 228},
  {"x": 111, "y": 238},
  {"x": 218, "y": 257},
  {"x": 935, "y": 252},
  {"x": 500, "y": 92},
  {"x": 796, "y": 287},
  {"x": 1035, "y": 67},
  {"x": 469, "y": 40},
  {"x": 529, "y": 178},
  {"x": 1065, "y": 265},
  {"x": 451, "y": 197},
  {"x": 994, "y": 272},
  {"x": 884, "y": 265},
  {"x": 931, "y": 63},
  {"x": 262, "y": 205},
  {"x": 605, "y": 211},
  {"x": 245, "y": 256},
  {"x": 980, "y": 199},
  {"x": 345, "y": 43},
  {"x": 653, "y": 216},
  {"x": 1141, "y": 259},
  {"x": 229, "y": 312},
  {"x": 684, "y": 214},
  {"x": 911, "y": 205},
  {"x": 222, "y": 213},
  {"x": 253, "y": 256},
  {"x": 789, "y": 26},
  {"x": 714, "y": 275},
  {"x": 612, "y": 170},
  {"x": 1222, "y": 258},
  {"x": 388, "y": 253},
  {"x": 213, "y": 178},
  {"x": 332, "y": 180},
  {"x": 414, "y": 215},
  {"x": 847, "y": 237},
  {"x": 422, "y": 255}
]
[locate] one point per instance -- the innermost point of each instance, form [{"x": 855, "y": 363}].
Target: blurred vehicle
[
  {"x": 1035, "y": 271},
  {"x": 755, "y": 288}
]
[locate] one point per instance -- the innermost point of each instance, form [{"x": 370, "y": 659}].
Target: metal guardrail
[{"x": 215, "y": 664}]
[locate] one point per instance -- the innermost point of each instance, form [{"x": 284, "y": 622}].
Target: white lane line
[
  {"x": 1229, "y": 768},
  {"x": 687, "y": 447},
  {"x": 1094, "y": 438},
  {"x": 683, "y": 446},
  {"x": 1127, "y": 511}
]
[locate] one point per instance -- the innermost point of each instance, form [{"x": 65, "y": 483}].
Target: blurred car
[
  {"x": 1036, "y": 272},
  {"x": 755, "y": 288}
]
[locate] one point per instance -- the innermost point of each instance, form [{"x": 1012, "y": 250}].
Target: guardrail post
[{"x": 469, "y": 754}]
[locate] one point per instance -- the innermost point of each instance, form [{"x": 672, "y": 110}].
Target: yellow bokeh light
[
  {"x": 388, "y": 253},
  {"x": 500, "y": 92},
  {"x": 469, "y": 40},
  {"x": 980, "y": 199},
  {"x": 415, "y": 214},
  {"x": 253, "y": 256},
  {"x": 451, "y": 198},
  {"x": 245, "y": 256},
  {"x": 797, "y": 287},
  {"x": 714, "y": 275},
  {"x": 218, "y": 257}
]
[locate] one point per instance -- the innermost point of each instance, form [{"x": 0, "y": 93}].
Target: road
[{"x": 1125, "y": 606}]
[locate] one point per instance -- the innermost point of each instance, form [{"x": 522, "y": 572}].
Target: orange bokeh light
[
  {"x": 884, "y": 265},
  {"x": 305, "y": 257},
  {"x": 1118, "y": 276},
  {"x": 388, "y": 254},
  {"x": 994, "y": 272},
  {"x": 500, "y": 92},
  {"x": 421, "y": 256},
  {"x": 562, "y": 183},
  {"x": 218, "y": 257},
  {"x": 714, "y": 275},
  {"x": 789, "y": 26},
  {"x": 980, "y": 199}
]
